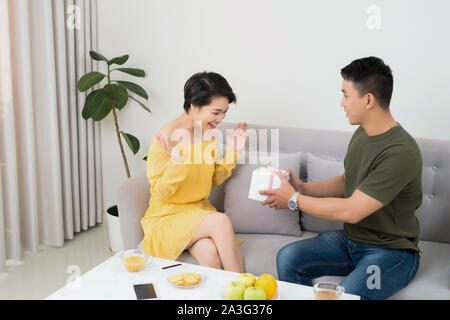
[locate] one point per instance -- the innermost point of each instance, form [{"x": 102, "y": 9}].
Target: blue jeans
[{"x": 372, "y": 272}]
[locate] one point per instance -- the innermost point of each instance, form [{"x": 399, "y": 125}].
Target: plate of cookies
[{"x": 186, "y": 280}]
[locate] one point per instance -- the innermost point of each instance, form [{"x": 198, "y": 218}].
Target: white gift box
[{"x": 264, "y": 178}]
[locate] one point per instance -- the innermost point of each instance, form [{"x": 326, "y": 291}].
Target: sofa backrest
[{"x": 433, "y": 215}]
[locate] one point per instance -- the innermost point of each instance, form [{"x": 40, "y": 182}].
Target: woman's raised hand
[
  {"x": 166, "y": 143},
  {"x": 237, "y": 139}
]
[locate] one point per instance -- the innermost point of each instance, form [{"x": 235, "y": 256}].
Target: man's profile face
[{"x": 353, "y": 104}]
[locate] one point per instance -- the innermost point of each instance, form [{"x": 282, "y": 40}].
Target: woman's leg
[
  {"x": 218, "y": 227},
  {"x": 205, "y": 252}
]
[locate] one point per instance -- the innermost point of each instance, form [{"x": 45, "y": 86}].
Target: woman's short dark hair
[
  {"x": 372, "y": 75},
  {"x": 203, "y": 86}
]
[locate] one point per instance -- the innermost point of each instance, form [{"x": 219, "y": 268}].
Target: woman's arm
[
  {"x": 164, "y": 174},
  {"x": 236, "y": 141},
  {"x": 166, "y": 185},
  {"x": 225, "y": 166}
]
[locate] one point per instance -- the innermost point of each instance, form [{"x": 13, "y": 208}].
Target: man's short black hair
[
  {"x": 372, "y": 75},
  {"x": 203, "y": 86}
]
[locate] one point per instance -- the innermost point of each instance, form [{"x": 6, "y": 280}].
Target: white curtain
[{"x": 50, "y": 173}]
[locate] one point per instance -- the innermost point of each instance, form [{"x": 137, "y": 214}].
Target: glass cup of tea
[
  {"x": 327, "y": 291},
  {"x": 134, "y": 259}
]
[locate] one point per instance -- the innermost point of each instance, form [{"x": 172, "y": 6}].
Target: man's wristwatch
[{"x": 292, "y": 203}]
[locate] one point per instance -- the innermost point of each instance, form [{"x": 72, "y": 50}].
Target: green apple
[
  {"x": 247, "y": 279},
  {"x": 234, "y": 291},
  {"x": 254, "y": 293}
]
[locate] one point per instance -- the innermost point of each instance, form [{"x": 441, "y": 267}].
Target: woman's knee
[{"x": 221, "y": 223}]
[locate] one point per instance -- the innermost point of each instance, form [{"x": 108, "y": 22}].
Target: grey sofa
[{"x": 259, "y": 250}]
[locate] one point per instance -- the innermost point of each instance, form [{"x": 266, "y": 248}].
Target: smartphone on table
[{"x": 145, "y": 291}]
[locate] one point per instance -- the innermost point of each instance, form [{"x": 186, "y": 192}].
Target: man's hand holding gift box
[{"x": 266, "y": 178}]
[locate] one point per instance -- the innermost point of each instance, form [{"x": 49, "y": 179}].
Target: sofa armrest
[{"x": 133, "y": 196}]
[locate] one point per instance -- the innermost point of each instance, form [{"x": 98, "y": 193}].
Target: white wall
[{"x": 282, "y": 58}]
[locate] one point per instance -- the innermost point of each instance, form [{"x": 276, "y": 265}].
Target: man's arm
[
  {"x": 350, "y": 210},
  {"x": 334, "y": 187}
]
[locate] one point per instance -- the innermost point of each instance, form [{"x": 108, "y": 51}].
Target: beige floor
[{"x": 41, "y": 273}]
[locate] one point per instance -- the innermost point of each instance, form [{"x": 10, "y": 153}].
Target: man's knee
[
  {"x": 295, "y": 251},
  {"x": 303, "y": 260},
  {"x": 286, "y": 254},
  {"x": 288, "y": 260}
]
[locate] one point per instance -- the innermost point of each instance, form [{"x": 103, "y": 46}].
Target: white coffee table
[{"x": 110, "y": 280}]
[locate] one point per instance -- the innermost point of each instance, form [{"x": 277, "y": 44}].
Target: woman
[{"x": 179, "y": 215}]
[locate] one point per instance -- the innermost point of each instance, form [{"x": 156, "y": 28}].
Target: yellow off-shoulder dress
[{"x": 179, "y": 195}]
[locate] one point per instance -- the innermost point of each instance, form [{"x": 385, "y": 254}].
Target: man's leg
[
  {"x": 304, "y": 260},
  {"x": 380, "y": 272}
]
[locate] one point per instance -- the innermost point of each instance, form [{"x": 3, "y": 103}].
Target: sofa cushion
[
  {"x": 216, "y": 197},
  {"x": 249, "y": 216},
  {"x": 432, "y": 280},
  {"x": 320, "y": 169}
]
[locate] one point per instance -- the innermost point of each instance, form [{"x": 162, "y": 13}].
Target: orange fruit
[{"x": 268, "y": 283}]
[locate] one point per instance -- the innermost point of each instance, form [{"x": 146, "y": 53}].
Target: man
[{"x": 376, "y": 197}]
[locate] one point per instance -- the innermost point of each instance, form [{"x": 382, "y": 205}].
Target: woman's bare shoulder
[{"x": 166, "y": 130}]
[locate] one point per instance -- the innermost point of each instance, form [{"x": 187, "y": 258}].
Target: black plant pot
[
  {"x": 113, "y": 211},
  {"x": 115, "y": 237}
]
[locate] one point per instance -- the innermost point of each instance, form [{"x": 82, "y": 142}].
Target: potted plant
[{"x": 113, "y": 97}]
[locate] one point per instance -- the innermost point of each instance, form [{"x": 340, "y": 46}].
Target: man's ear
[{"x": 370, "y": 101}]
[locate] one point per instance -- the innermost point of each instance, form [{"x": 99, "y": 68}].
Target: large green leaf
[
  {"x": 141, "y": 104},
  {"x": 93, "y": 103},
  {"x": 133, "y": 87},
  {"x": 118, "y": 60},
  {"x": 97, "y": 56},
  {"x": 133, "y": 71},
  {"x": 89, "y": 79},
  {"x": 132, "y": 142},
  {"x": 103, "y": 111},
  {"x": 118, "y": 95}
]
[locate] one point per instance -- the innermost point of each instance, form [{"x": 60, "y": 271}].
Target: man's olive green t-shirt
[{"x": 388, "y": 168}]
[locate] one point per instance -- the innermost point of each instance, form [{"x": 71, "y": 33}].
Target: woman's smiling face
[{"x": 212, "y": 114}]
